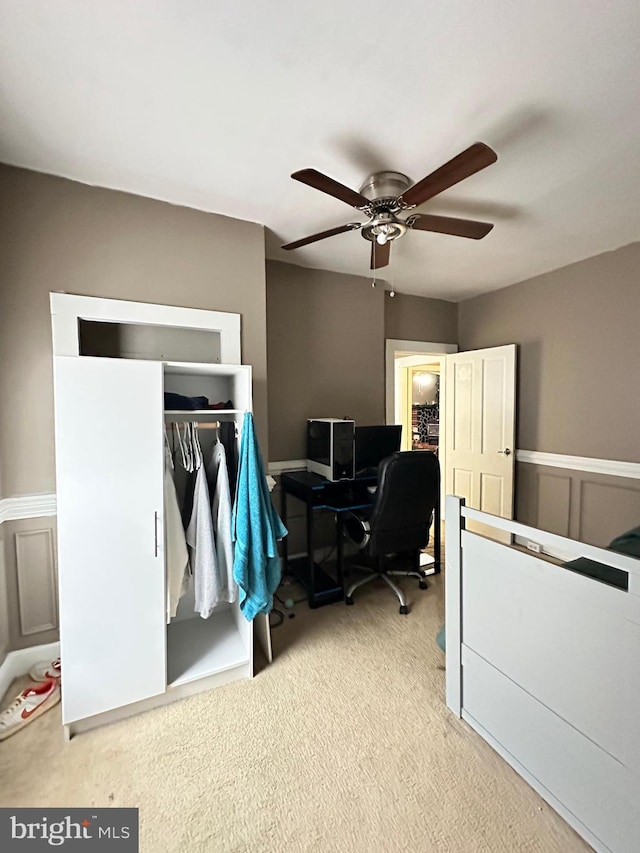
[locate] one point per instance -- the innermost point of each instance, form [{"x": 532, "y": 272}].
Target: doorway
[
  {"x": 404, "y": 361},
  {"x": 423, "y": 393},
  {"x": 414, "y": 371}
]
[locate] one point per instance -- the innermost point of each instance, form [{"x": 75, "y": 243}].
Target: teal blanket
[{"x": 255, "y": 528}]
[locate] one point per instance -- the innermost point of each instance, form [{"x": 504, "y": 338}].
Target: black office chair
[{"x": 406, "y": 500}]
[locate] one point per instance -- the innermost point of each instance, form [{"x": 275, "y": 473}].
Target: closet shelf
[{"x": 182, "y": 412}]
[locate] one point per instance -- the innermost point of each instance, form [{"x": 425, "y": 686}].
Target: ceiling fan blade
[
  {"x": 449, "y": 225},
  {"x": 379, "y": 255},
  {"x": 475, "y": 158},
  {"x": 321, "y": 182},
  {"x": 322, "y": 234}
]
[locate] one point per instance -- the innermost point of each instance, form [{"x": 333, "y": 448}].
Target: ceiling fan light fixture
[{"x": 383, "y": 228}]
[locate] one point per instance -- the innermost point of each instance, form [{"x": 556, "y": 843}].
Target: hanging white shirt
[{"x": 221, "y": 512}]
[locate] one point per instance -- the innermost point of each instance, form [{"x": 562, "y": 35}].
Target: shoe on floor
[
  {"x": 45, "y": 670},
  {"x": 28, "y": 705}
]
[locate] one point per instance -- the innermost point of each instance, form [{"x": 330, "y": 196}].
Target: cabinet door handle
[
  {"x": 506, "y": 452},
  {"x": 155, "y": 527}
]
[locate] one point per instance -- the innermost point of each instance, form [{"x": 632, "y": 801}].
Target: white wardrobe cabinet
[{"x": 119, "y": 655}]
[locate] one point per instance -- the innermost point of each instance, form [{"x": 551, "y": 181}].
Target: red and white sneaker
[
  {"x": 28, "y": 705},
  {"x": 44, "y": 670}
]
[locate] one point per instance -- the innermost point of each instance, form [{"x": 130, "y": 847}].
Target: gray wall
[
  {"x": 326, "y": 336},
  {"x": 578, "y": 336},
  {"x": 58, "y": 235},
  {"x": 325, "y": 347},
  {"x": 413, "y": 318}
]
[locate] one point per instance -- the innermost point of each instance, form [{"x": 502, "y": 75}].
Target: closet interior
[{"x": 197, "y": 647}]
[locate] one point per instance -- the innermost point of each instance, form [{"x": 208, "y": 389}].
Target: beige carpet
[{"x": 343, "y": 744}]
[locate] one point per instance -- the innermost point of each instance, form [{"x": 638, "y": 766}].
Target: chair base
[{"x": 419, "y": 574}]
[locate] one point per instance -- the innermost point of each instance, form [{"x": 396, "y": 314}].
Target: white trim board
[
  {"x": 67, "y": 309},
  {"x": 611, "y": 468},
  {"x": 20, "y": 662},
  {"x": 276, "y": 468},
  {"x": 27, "y": 506}
]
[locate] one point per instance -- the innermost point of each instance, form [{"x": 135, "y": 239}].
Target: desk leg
[
  {"x": 283, "y": 516},
  {"x": 310, "y": 561},
  {"x": 339, "y": 563}
]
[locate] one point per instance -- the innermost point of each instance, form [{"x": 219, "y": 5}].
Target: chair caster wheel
[
  {"x": 348, "y": 600},
  {"x": 404, "y": 609},
  {"x": 423, "y": 584}
]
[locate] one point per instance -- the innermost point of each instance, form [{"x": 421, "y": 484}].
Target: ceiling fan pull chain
[{"x": 373, "y": 283}]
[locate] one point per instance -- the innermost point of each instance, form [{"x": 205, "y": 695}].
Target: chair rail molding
[
  {"x": 41, "y": 505},
  {"x": 27, "y": 506},
  {"x": 609, "y": 467}
]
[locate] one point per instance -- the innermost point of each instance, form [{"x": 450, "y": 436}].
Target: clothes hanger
[
  {"x": 186, "y": 464},
  {"x": 167, "y": 448},
  {"x": 196, "y": 444},
  {"x": 190, "y": 449}
]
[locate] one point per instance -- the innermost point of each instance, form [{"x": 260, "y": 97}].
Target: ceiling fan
[{"x": 384, "y": 195}]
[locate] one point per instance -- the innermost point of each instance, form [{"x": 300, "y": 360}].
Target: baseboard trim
[
  {"x": 609, "y": 467},
  {"x": 276, "y": 468},
  {"x": 27, "y": 506},
  {"x": 19, "y": 663}
]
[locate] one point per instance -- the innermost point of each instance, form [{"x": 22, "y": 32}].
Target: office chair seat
[{"x": 397, "y": 525}]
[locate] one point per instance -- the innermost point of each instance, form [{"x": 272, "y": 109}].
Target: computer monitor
[{"x": 373, "y": 444}]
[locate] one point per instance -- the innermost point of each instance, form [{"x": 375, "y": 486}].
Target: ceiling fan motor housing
[
  {"x": 383, "y": 190},
  {"x": 383, "y": 186}
]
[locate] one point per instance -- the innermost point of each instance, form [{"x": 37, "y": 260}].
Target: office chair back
[{"x": 408, "y": 489}]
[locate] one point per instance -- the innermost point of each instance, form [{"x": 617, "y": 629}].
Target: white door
[
  {"x": 109, "y": 470},
  {"x": 480, "y": 433}
]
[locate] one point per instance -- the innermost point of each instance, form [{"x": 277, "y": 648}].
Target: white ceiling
[{"x": 213, "y": 104}]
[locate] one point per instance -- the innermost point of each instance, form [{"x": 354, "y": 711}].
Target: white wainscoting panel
[{"x": 35, "y": 567}]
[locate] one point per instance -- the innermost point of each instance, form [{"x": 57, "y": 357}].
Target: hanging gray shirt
[
  {"x": 200, "y": 539},
  {"x": 221, "y": 511}
]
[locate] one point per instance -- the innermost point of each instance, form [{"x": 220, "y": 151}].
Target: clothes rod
[{"x": 202, "y": 425}]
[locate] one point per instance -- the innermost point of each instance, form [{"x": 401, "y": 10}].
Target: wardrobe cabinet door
[{"x": 109, "y": 468}]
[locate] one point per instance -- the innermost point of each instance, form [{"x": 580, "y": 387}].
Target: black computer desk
[{"x": 319, "y": 494}]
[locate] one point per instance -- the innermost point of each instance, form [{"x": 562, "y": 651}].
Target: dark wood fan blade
[
  {"x": 449, "y": 225},
  {"x": 321, "y": 182},
  {"x": 379, "y": 255},
  {"x": 475, "y": 158},
  {"x": 322, "y": 234}
]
